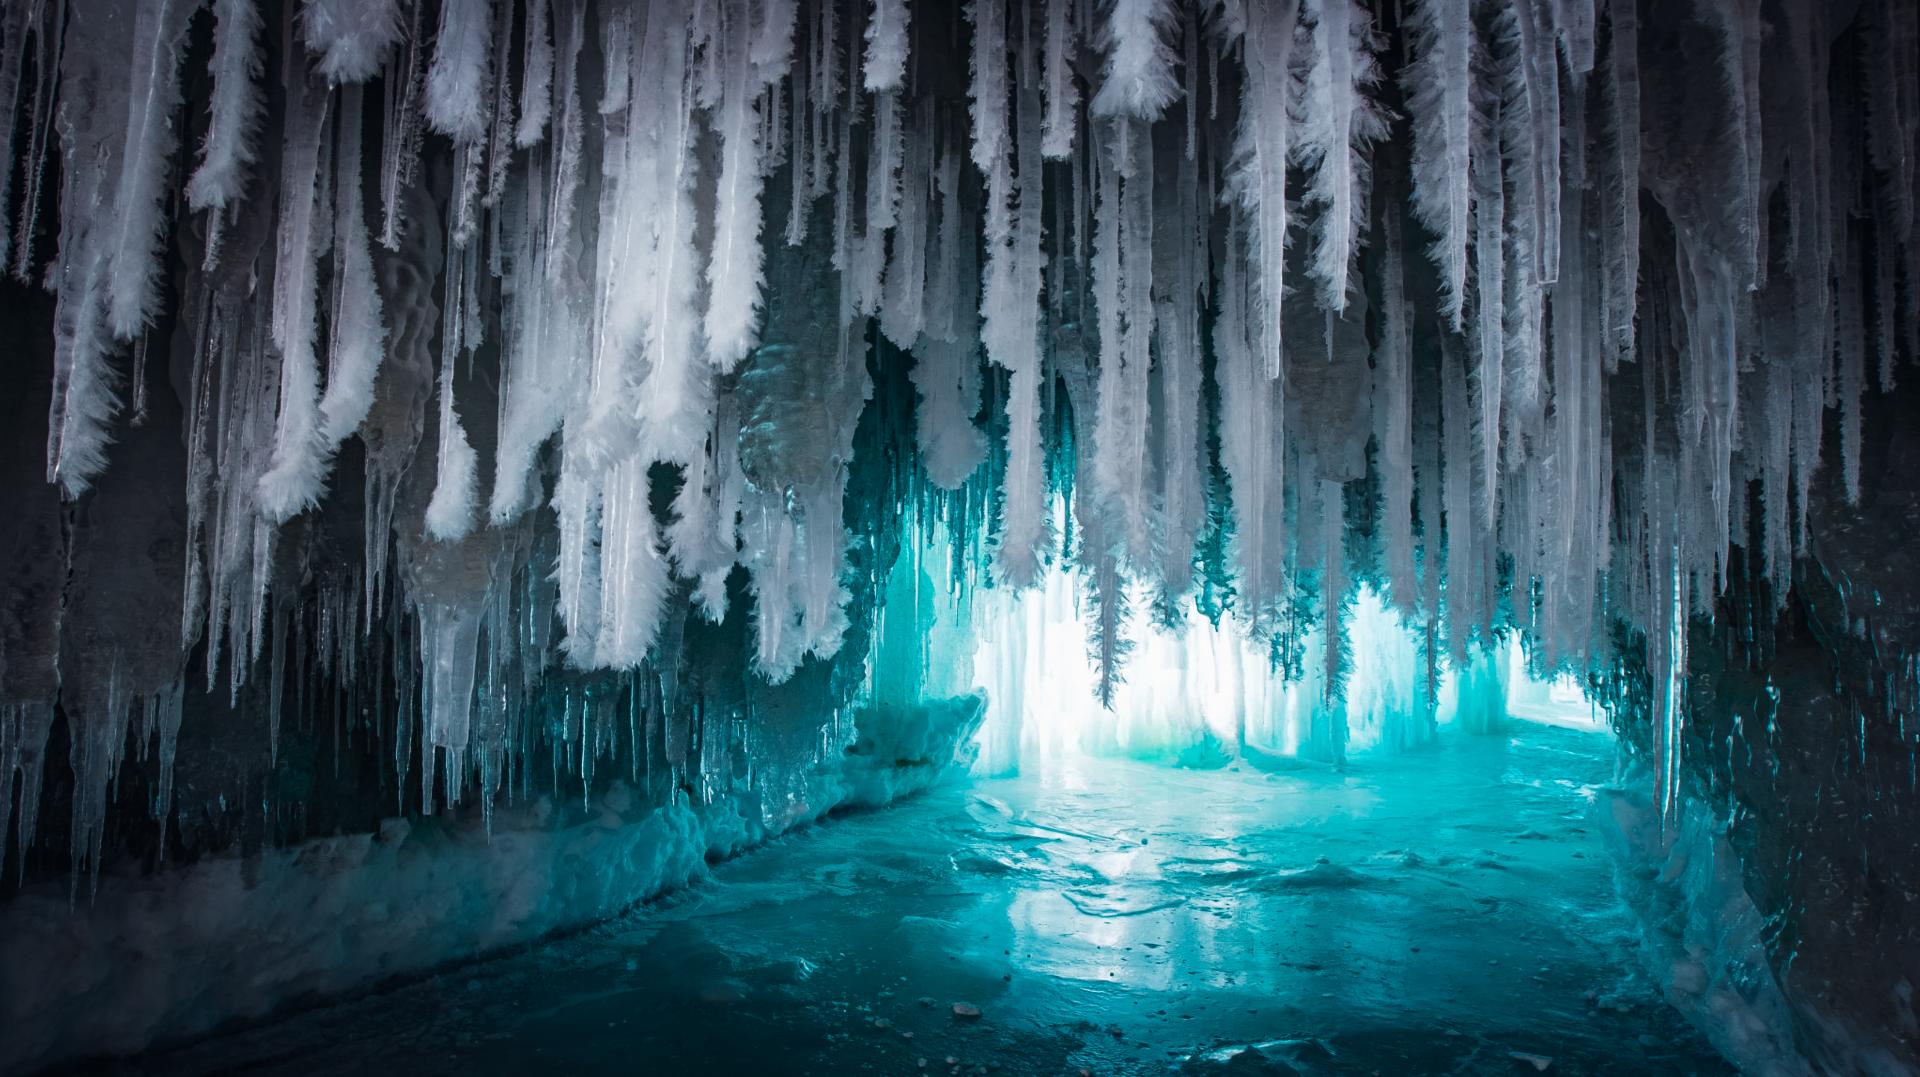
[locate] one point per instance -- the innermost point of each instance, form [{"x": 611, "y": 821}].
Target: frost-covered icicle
[
  {"x": 536, "y": 78},
  {"x": 235, "y": 112},
  {"x": 1439, "y": 85},
  {"x": 569, "y": 137},
  {"x": 946, "y": 375},
  {"x": 1061, "y": 92},
  {"x": 49, "y": 78},
  {"x": 1886, "y": 341},
  {"x": 1623, "y": 97},
  {"x": 701, "y": 536},
  {"x": 1260, "y": 168},
  {"x": 1850, "y": 341},
  {"x": 1532, "y": 157},
  {"x": 1489, "y": 328},
  {"x": 1252, "y": 439},
  {"x": 1527, "y": 70},
  {"x": 358, "y": 336},
  {"x": 886, "y": 36},
  {"x": 1463, "y": 529},
  {"x": 734, "y": 270},
  {"x": 633, "y": 570},
  {"x": 987, "y": 83},
  {"x": 616, "y": 50},
  {"x": 886, "y": 153},
  {"x": 14, "y": 33},
  {"x": 1010, "y": 309},
  {"x": 351, "y": 37},
  {"x": 1126, "y": 252},
  {"x": 1137, "y": 81},
  {"x": 139, "y": 208},
  {"x": 458, "y": 83},
  {"x": 542, "y": 337},
  {"x": 903, "y": 296},
  {"x": 1709, "y": 401},
  {"x": 1739, "y": 26},
  {"x": 675, "y": 396},
  {"x": 295, "y": 480},
  {"x": 84, "y": 395},
  {"x": 1177, "y": 324},
  {"x": 576, "y": 510},
  {"x": 1893, "y": 109},
  {"x": 1336, "y": 122},
  {"x": 1393, "y": 367},
  {"x": 402, "y": 131},
  {"x": 1122, "y": 442}
]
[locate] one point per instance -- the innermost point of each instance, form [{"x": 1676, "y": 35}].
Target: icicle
[
  {"x": 1393, "y": 367},
  {"x": 734, "y": 270},
  {"x": 450, "y": 511},
  {"x": 1137, "y": 81},
  {"x": 1738, "y": 23},
  {"x": 1061, "y": 92},
  {"x": 1177, "y": 321},
  {"x": 1120, "y": 469},
  {"x": 359, "y": 338},
  {"x": 294, "y": 481},
  {"x": 634, "y": 593},
  {"x": 14, "y": 32},
  {"x": 1010, "y": 309},
  {"x": 536, "y": 78},
  {"x": 987, "y": 86},
  {"x": 1336, "y": 123},
  {"x": 458, "y": 83},
  {"x": 235, "y": 122},
  {"x": 351, "y": 37},
  {"x": 1260, "y": 167},
  {"x": 903, "y": 303},
  {"x": 886, "y": 36},
  {"x": 1252, "y": 441},
  {"x": 1440, "y": 97},
  {"x": 1851, "y": 343},
  {"x": 139, "y": 207},
  {"x": 1624, "y": 264},
  {"x": 1490, "y": 297},
  {"x": 675, "y": 396},
  {"x": 400, "y": 150},
  {"x": 40, "y": 126}
]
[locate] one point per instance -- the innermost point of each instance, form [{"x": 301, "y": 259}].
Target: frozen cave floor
[{"x": 1447, "y": 911}]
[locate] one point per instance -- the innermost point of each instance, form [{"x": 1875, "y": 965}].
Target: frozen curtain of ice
[{"x": 509, "y": 341}]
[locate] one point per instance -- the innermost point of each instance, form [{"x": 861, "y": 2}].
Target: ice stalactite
[
  {"x": 1440, "y": 88},
  {"x": 1393, "y": 370},
  {"x": 458, "y": 80},
  {"x": 1062, "y": 92},
  {"x": 358, "y": 336},
  {"x": 734, "y": 271},
  {"x": 351, "y": 38},
  {"x": 294, "y": 482},
  {"x": 886, "y": 36},
  {"x": 1137, "y": 81},
  {"x": 1337, "y": 122},
  {"x": 235, "y": 113},
  {"x": 1260, "y": 168}
]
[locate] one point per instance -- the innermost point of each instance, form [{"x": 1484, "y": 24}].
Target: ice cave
[{"x": 1004, "y": 537}]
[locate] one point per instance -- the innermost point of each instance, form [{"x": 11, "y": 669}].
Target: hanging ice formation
[{"x": 565, "y": 314}]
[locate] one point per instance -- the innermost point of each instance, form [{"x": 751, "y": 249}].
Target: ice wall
[{"x": 432, "y": 404}]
